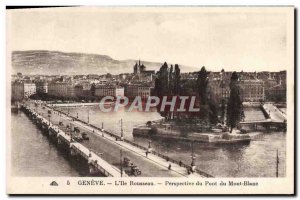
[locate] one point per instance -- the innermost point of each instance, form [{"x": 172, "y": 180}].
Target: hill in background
[{"x": 55, "y": 62}]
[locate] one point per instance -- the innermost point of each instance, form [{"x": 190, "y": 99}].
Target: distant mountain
[{"x": 55, "y": 62}]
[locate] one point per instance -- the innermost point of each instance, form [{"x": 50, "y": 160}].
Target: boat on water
[{"x": 215, "y": 136}]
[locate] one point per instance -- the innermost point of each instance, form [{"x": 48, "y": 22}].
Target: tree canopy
[{"x": 234, "y": 105}]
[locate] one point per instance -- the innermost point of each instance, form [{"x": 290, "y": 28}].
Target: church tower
[{"x": 139, "y": 68}]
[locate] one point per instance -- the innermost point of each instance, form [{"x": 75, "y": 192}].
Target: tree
[
  {"x": 171, "y": 80},
  {"x": 223, "y": 101},
  {"x": 162, "y": 81},
  {"x": 162, "y": 87},
  {"x": 176, "y": 86},
  {"x": 167, "y": 83},
  {"x": 202, "y": 83},
  {"x": 108, "y": 75},
  {"x": 234, "y": 105},
  {"x": 208, "y": 103},
  {"x": 223, "y": 107},
  {"x": 93, "y": 89}
]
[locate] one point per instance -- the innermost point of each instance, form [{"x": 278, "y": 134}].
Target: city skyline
[
  {"x": 36, "y": 62},
  {"x": 188, "y": 37}
]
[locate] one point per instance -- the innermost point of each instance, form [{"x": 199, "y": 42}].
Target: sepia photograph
[{"x": 138, "y": 94}]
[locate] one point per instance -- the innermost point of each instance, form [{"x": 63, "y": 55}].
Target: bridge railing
[
  {"x": 266, "y": 114},
  {"x": 135, "y": 144}
]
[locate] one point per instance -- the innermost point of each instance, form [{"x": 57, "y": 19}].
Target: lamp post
[
  {"x": 122, "y": 136},
  {"x": 277, "y": 163},
  {"x": 193, "y": 156},
  {"x": 149, "y": 146},
  {"x": 121, "y": 163}
]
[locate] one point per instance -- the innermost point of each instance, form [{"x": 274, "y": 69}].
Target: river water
[
  {"x": 258, "y": 159},
  {"x": 33, "y": 154}
]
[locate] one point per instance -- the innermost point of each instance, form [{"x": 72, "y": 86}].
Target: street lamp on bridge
[
  {"x": 122, "y": 134},
  {"x": 149, "y": 146},
  {"x": 193, "y": 156}
]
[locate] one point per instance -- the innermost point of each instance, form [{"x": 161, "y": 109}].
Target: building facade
[
  {"x": 41, "y": 87},
  {"x": 22, "y": 90},
  {"x": 219, "y": 90},
  {"x": 83, "y": 90},
  {"x": 131, "y": 91},
  {"x": 29, "y": 89},
  {"x": 17, "y": 91},
  {"x": 276, "y": 93},
  {"x": 108, "y": 90},
  {"x": 61, "y": 89},
  {"x": 252, "y": 90}
]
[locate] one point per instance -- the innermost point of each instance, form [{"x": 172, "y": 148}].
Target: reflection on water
[
  {"x": 258, "y": 159},
  {"x": 33, "y": 154}
]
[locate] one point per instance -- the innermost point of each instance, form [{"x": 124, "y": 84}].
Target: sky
[{"x": 248, "y": 39}]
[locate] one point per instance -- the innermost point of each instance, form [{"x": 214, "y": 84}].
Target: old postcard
[{"x": 150, "y": 100}]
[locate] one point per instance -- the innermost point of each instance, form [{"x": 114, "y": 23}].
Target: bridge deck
[
  {"x": 152, "y": 165},
  {"x": 275, "y": 114},
  {"x": 100, "y": 163}
]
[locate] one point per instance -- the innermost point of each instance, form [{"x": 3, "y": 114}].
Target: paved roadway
[
  {"x": 275, "y": 114},
  {"x": 109, "y": 149}
]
